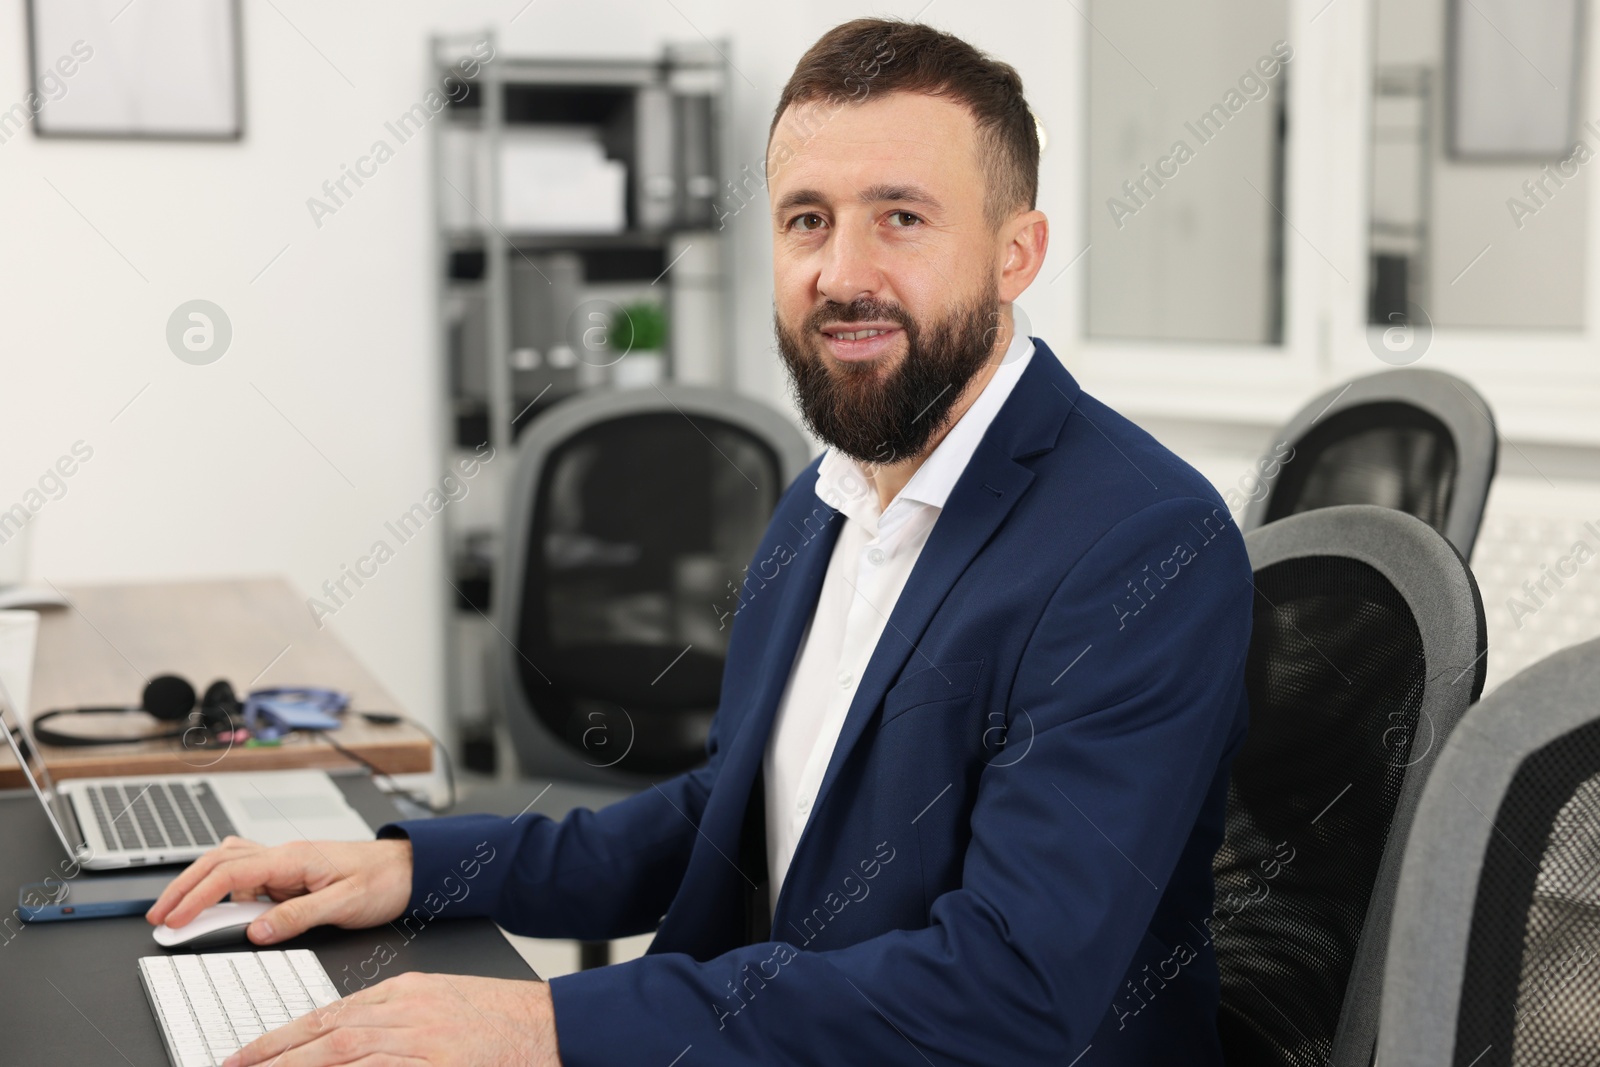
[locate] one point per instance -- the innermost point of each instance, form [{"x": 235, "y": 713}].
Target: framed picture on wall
[
  {"x": 162, "y": 69},
  {"x": 1514, "y": 78}
]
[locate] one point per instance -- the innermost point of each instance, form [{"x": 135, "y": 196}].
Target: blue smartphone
[{"x": 90, "y": 896}]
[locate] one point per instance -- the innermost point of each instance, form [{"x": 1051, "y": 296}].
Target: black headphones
[{"x": 166, "y": 697}]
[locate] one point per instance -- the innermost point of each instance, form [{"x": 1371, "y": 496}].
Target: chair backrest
[
  {"x": 1494, "y": 955},
  {"x": 632, "y": 517},
  {"x": 1367, "y": 646},
  {"x": 1418, "y": 441}
]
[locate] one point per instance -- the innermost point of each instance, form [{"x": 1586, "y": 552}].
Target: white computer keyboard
[{"x": 212, "y": 1004}]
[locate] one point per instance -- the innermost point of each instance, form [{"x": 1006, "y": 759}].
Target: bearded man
[{"x": 970, "y": 764}]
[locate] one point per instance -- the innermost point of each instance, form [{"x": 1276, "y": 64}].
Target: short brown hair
[{"x": 853, "y": 61}]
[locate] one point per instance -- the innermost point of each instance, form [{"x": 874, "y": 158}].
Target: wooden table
[{"x": 253, "y": 632}]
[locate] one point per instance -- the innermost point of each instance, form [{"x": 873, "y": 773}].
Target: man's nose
[{"x": 850, "y": 270}]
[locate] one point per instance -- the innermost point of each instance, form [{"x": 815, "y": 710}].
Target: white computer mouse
[{"x": 219, "y": 925}]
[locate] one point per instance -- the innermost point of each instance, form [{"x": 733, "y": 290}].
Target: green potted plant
[{"x": 638, "y": 337}]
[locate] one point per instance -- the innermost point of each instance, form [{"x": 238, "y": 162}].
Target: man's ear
[{"x": 1024, "y": 240}]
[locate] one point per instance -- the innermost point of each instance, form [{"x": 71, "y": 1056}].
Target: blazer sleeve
[
  {"x": 592, "y": 876},
  {"x": 1072, "y": 847}
]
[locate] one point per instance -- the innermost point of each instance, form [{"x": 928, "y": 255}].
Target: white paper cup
[{"x": 19, "y": 636}]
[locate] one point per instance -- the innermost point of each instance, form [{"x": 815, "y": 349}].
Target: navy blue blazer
[{"x": 1009, "y": 861}]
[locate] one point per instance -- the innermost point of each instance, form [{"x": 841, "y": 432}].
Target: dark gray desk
[{"x": 70, "y": 993}]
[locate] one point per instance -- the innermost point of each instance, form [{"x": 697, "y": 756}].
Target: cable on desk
[{"x": 394, "y": 786}]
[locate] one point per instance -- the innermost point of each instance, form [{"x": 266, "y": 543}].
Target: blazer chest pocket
[{"x": 937, "y": 684}]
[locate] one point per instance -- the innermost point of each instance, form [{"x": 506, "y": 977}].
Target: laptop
[{"x": 106, "y": 823}]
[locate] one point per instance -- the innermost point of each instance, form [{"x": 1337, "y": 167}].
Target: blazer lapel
[
  {"x": 802, "y": 586},
  {"x": 1028, "y": 423}
]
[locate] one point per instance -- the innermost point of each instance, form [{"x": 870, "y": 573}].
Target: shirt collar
[
  {"x": 937, "y": 476},
  {"x": 842, "y": 482}
]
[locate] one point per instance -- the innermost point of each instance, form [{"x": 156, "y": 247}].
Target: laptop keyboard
[
  {"x": 213, "y": 1004},
  {"x": 157, "y": 814}
]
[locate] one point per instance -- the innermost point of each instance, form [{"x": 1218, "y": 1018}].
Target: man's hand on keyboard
[
  {"x": 352, "y": 884},
  {"x": 420, "y": 1018}
]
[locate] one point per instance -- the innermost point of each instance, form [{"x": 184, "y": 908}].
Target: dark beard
[{"x": 882, "y": 419}]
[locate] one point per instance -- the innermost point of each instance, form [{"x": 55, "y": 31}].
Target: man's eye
[
  {"x": 903, "y": 219},
  {"x": 809, "y": 221}
]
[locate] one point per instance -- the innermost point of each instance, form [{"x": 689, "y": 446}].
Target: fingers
[
  {"x": 191, "y": 876},
  {"x": 310, "y": 1038},
  {"x": 345, "y": 1044},
  {"x": 226, "y": 876},
  {"x": 293, "y": 1034},
  {"x": 295, "y": 916}
]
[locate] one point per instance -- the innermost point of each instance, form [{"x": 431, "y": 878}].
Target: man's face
[{"x": 884, "y": 267}]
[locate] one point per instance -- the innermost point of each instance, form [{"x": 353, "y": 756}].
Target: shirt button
[
  {"x": 845, "y": 678},
  {"x": 803, "y": 805},
  {"x": 875, "y": 556}
]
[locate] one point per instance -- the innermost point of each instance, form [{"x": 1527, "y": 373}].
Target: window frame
[{"x": 1549, "y": 391}]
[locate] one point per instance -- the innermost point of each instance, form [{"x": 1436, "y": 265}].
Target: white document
[{"x": 558, "y": 180}]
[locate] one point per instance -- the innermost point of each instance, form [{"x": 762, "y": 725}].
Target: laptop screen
[{"x": 38, "y": 775}]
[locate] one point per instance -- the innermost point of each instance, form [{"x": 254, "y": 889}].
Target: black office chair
[
  {"x": 632, "y": 517},
  {"x": 1494, "y": 956},
  {"x": 1418, "y": 441},
  {"x": 1368, "y": 645}
]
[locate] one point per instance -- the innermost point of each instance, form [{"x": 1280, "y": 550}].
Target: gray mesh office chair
[
  {"x": 632, "y": 516},
  {"x": 1367, "y": 647},
  {"x": 1418, "y": 441},
  {"x": 1494, "y": 956}
]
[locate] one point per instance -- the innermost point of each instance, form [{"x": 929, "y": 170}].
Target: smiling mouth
[{"x": 853, "y": 343}]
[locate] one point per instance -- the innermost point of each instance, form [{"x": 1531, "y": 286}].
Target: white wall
[{"x": 321, "y": 421}]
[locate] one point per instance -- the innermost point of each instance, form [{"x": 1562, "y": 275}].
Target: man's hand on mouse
[
  {"x": 352, "y": 884},
  {"x": 420, "y": 1018}
]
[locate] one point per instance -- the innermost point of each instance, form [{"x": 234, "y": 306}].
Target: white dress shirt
[{"x": 871, "y": 561}]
